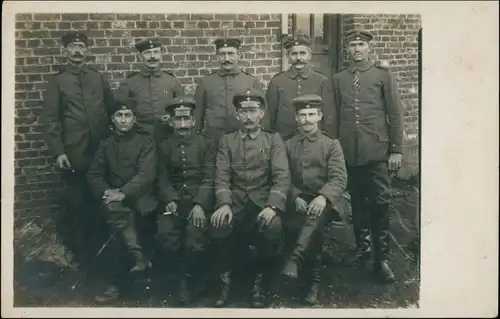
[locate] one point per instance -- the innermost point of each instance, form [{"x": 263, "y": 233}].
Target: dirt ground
[{"x": 39, "y": 284}]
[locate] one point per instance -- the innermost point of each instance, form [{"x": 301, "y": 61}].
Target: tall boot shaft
[{"x": 225, "y": 289}]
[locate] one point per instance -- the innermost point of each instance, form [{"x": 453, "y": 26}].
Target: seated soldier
[
  {"x": 319, "y": 177},
  {"x": 122, "y": 177},
  {"x": 251, "y": 183},
  {"x": 186, "y": 163}
]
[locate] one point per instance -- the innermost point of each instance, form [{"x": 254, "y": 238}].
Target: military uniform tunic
[
  {"x": 151, "y": 89},
  {"x": 370, "y": 117},
  {"x": 127, "y": 162},
  {"x": 75, "y": 115},
  {"x": 215, "y": 112},
  {"x": 280, "y": 116},
  {"x": 251, "y": 166}
]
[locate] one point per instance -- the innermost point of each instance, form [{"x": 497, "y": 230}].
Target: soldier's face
[
  {"x": 359, "y": 50},
  {"x": 308, "y": 119},
  {"x": 76, "y": 52},
  {"x": 123, "y": 120},
  {"x": 151, "y": 57},
  {"x": 250, "y": 117},
  {"x": 228, "y": 57},
  {"x": 182, "y": 124},
  {"x": 299, "y": 56}
]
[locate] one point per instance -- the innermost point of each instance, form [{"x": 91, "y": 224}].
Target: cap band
[{"x": 250, "y": 103}]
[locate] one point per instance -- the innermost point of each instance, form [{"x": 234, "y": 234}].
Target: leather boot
[
  {"x": 185, "y": 292},
  {"x": 258, "y": 295},
  {"x": 291, "y": 269},
  {"x": 141, "y": 263},
  {"x": 381, "y": 264},
  {"x": 315, "y": 276},
  {"x": 226, "y": 287},
  {"x": 363, "y": 250}
]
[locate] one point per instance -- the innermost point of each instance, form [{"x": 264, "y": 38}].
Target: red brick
[
  {"x": 75, "y": 16},
  {"x": 181, "y": 17},
  {"x": 24, "y": 16},
  {"x": 47, "y": 16},
  {"x": 127, "y": 16},
  {"x": 102, "y": 16},
  {"x": 225, "y": 17}
]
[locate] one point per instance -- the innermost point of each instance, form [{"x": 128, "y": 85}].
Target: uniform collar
[
  {"x": 311, "y": 137},
  {"x": 183, "y": 140},
  {"x": 253, "y": 135},
  {"x": 234, "y": 71},
  {"x": 147, "y": 72},
  {"x": 83, "y": 68},
  {"x": 125, "y": 137},
  {"x": 361, "y": 66},
  {"x": 304, "y": 73}
]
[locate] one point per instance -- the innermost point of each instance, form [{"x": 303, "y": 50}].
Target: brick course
[{"x": 189, "y": 55}]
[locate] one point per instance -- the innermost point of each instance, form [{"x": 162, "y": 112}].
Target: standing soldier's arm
[
  {"x": 336, "y": 102},
  {"x": 178, "y": 89},
  {"x": 280, "y": 174},
  {"x": 166, "y": 191},
  {"x": 269, "y": 120},
  {"x": 223, "y": 174},
  {"x": 123, "y": 91},
  {"x": 96, "y": 175},
  {"x": 329, "y": 109},
  {"x": 337, "y": 173},
  {"x": 51, "y": 117},
  {"x": 200, "y": 98},
  {"x": 392, "y": 104},
  {"x": 206, "y": 190},
  {"x": 146, "y": 171},
  {"x": 109, "y": 97}
]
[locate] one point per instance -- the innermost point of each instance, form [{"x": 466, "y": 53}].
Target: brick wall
[{"x": 189, "y": 54}]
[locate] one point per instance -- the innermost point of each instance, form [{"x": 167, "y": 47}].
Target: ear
[{"x": 320, "y": 115}]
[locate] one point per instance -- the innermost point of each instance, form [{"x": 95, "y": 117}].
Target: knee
[
  {"x": 274, "y": 230},
  {"x": 220, "y": 233},
  {"x": 195, "y": 238}
]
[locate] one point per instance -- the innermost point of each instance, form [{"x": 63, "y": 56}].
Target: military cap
[
  {"x": 227, "y": 42},
  {"x": 299, "y": 39},
  {"x": 74, "y": 36},
  {"x": 307, "y": 101},
  {"x": 249, "y": 98},
  {"x": 148, "y": 43},
  {"x": 127, "y": 104},
  {"x": 181, "y": 106},
  {"x": 358, "y": 35}
]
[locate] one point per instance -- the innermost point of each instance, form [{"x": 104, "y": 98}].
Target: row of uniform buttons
[
  {"x": 183, "y": 158},
  {"x": 356, "y": 100}
]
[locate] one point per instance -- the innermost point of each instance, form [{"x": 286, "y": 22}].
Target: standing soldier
[
  {"x": 215, "y": 113},
  {"x": 319, "y": 177},
  {"x": 371, "y": 135},
  {"x": 185, "y": 186},
  {"x": 299, "y": 79},
  {"x": 251, "y": 183},
  {"x": 75, "y": 120},
  {"x": 151, "y": 87},
  {"x": 122, "y": 176}
]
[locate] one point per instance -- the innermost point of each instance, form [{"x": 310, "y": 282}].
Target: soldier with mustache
[
  {"x": 150, "y": 87},
  {"x": 75, "y": 120},
  {"x": 298, "y": 80},
  {"x": 215, "y": 113}
]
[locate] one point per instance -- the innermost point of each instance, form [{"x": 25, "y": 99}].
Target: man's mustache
[
  {"x": 152, "y": 60},
  {"x": 77, "y": 54},
  {"x": 228, "y": 62}
]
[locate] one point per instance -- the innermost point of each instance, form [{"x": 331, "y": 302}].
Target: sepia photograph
[{"x": 217, "y": 160}]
